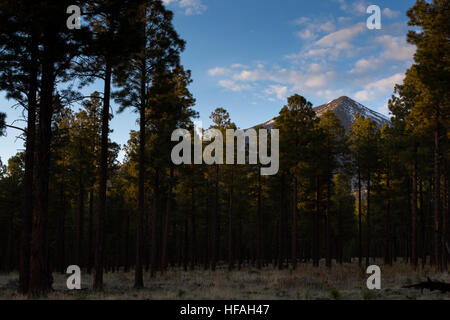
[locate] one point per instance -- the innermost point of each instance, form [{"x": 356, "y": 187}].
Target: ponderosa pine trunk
[
  {"x": 368, "y": 220},
  {"x": 423, "y": 225},
  {"x": 166, "y": 224},
  {"x": 154, "y": 245},
  {"x": 99, "y": 258},
  {"x": 359, "y": 218},
  {"x": 207, "y": 229},
  {"x": 437, "y": 199},
  {"x": 193, "y": 248},
  {"x": 327, "y": 225},
  {"x": 90, "y": 230},
  {"x": 239, "y": 241},
  {"x": 387, "y": 222},
  {"x": 280, "y": 226},
  {"x": 214, "y": 227},
  {"x": 9, "y": 243},
  {"x": 316, "y": 226},
  {"x": 259, "y": 224},
  {"x": 126, "y": 254},
  {"x": 79, "y": 219},
  {"x": 294, "y": 225},
  {"x": 445, "y": 245},
  {"x": 138, "y": 275},
  {"x": 186, "y": 242},
  {"x": 27, "y": 214},
  {"x": 414, "y": 258},
  {"x": 40, "y": 277},
  {"x": 340, "y": 242},
  {"x": 61, "y": 244},
  {"x": 230, "y": 225}
]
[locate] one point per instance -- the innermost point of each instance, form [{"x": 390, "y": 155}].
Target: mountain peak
[{"x": 346, "y": 109}]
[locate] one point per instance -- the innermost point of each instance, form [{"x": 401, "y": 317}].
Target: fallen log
[{"x": 431, "y": 285}]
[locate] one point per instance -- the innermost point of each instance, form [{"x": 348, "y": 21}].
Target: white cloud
[
  {"x": 251, "y": 75},
  {"x": 327, "y": 27},
  {"x": 301, "y": 20},
  {"x": 360, "y": 7},
  {"x": 279, "y": 81},
  {"x": 190, "y": 7},
  {"x": 239, "y": 66},
  {"x": 218, "y": 71},
  {"x": 386, "y": 83},
  {"x": 233, "y": 86},
  {"x": 341, "y": 36},
  {"x": 355, "y": 8},
  {"x": 314, "y": 78},
  {"x": 306, "y": 34},
  {"x": 395, "y": 48},
  {"x": 313, "y": 27},
  {"x": 379, "y": 87},
  {"x": 321, "y": 80},
  {"x": 362, "y": 95},
  {"x": 364, "y": 65},
  {"x": 388, "y": 13},
  {"x": 331, "y": 46},
  {"x": 330, "y": 94},
  {"x": 316, "y": 68},
  {"x": 314, "y": 53},
  {"x": 279, "y": 91}
]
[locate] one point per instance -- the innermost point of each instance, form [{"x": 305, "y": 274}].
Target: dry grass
[{"x": 305, "y": 283}]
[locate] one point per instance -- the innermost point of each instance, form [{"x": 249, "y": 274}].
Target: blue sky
[{"x": 248, "y": 56}]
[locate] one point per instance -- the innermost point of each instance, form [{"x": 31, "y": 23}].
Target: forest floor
[{"x": 346, "y": 282}]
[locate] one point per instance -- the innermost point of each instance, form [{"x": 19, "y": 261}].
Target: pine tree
[
  {"x": 333, "y": 149},
  {"x": 432, "y": 106},
  {"x": 296, "y": 123},
  {"x": 116, "y": 33},
  {"x": 364, "y": 137},
  {"x": 19, "y": 71},
  {"x": 160, "y": 51}
]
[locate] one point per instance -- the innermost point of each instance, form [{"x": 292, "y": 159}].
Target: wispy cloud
[
  {"x": 233, "y": 86},
  {"x": 379, "y": 87},
  {"x": 357, "y": 8},
  {"x": 388, "y": 13},
  {"x": 313, "y": 27},
  {"x": 341, "y": 36},
  {"x": 278, "y": 81},
  {"x": 330, "y": 46},
  {"x": 306, "y": 34},
  {"x": 279, "y": 91},
  {"x": 364, "y": 65},
  {"x": 218, "y": 71},
  {"x": 239, "y": 66},
  {"x": 396, "y": 48}
]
